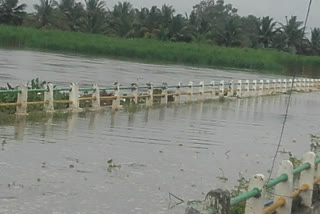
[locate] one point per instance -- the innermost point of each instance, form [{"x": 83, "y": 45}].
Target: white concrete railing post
[
  {"x": 312, "y": 84},
  {"x": 308, "y": 85},
  {"x": 96, "y": 94},
  {"x": 177, "y": 97},
  {"x": 290, "y": 85},
  {"x": 296, "y": 85},
  {"x": 285, "y": 188},
  {"x": 221, "y": 88},
  {"x": 304, "y": 84},
  {"x": 22, "y": 99},
  {"x": 201, "y": 91},
  {"x": 256, "y": 205},
  {"x": 213, "y": 90},
  {"x": 306, "y": 177},
  {"x": 190, "y": 92},
  {"x": 261, "y": 88},
  {"x": 239, "y": 88},
  {"x": 116, "y": 101},
  {"x": 149, "y": 99},
  {"x": 134, "y": 92},
  {"x": 285, "y": 86},
  {"x": 268, "y": 91},
  {"x": 247, "y": 88},
  {"x": 74, "y": 97},
  {"x": 164, "y": 93},
  {"x": 299, "y": 83},
  {"x": 274, "y": 87},
  {"x": 254, "y": 88},
  {"x": 230, "y": 89},
  {"x": 279, "y": 85},
  {"x": 48, "y": 98}
]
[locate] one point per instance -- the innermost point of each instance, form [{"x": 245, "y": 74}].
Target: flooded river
[{"x": 60, "y": 165}]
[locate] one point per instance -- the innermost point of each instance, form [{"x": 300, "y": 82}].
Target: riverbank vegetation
[{"x": 213, "y": 35}]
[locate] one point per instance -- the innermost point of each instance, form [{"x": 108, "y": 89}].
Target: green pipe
[
  {"x": 86, "y": 89},
  {"x": 107, "y": 89},
  {"x": 317, "y": 160},
  {"x": 61, "y": 89},
  {"x": 301, "y": 168},
  {"x": 275, "y": 181},
  {"x": 143, "y": 87},
  {"x": 126, "y": 87},
  {"x": 37, "y": 90},
  {"x": 255, "y": 192},
  {"x": 10, "y": 91}
]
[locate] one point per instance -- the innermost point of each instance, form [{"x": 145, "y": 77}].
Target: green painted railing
[
  {"x": 255, "y": 192},
  {"x": 275, "y": 181},
  {"x": 282, "y": 178}
]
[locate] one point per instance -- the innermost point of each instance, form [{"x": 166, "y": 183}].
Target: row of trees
[{"x": 210, "y": 21}]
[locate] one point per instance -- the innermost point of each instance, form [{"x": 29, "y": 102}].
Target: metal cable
[{"x": 288, "y": 104}]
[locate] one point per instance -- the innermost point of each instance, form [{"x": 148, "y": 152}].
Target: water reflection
[{"x": 252, "y": 109}]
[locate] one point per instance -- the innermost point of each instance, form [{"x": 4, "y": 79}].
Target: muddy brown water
[{"x": 59, "y": 165}]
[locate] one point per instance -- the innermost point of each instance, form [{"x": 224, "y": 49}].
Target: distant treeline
[
  {"x": 150, "y": 50},
  {"x": 210, "y": 22}
]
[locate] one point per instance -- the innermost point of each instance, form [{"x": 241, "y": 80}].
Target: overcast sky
[{"x": 274, "y": 8}]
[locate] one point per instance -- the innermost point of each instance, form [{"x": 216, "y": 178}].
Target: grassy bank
[{"x": 148, "y": 50}]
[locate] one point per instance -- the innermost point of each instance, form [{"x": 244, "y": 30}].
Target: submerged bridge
[{"x": 115, "y": 96}]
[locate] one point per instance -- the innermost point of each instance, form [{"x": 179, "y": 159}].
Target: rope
[{"x": 288, "y": 104}]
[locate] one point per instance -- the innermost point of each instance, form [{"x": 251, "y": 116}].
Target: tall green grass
[{"x": 156, "y": 51}]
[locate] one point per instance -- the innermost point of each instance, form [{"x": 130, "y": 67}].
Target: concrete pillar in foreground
[
  {"x": 48, "y": 98},
  {"x": 285, "y": 188},
  {"x": 306, "y": 177},
  {"x": 256, "y": 205},
  {"x": 22, "y": 99}
]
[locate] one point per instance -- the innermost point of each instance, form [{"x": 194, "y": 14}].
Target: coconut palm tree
[
  {"x": 95, "y": 16},
  {"x": 293, "y": 32},
  {"x": 266, "y": 31},
  {"x": 74, "y": 12},
  {"x": 11, "y": 12},
  {"x": 44, "y": 11},
  {"x": 315, "y": 40}
]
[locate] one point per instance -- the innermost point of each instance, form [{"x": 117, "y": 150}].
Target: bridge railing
[
  {"x": 150, "y": 93},
  {"x": 284, "y": 190},
  {"x": 269, "y": 196}
]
